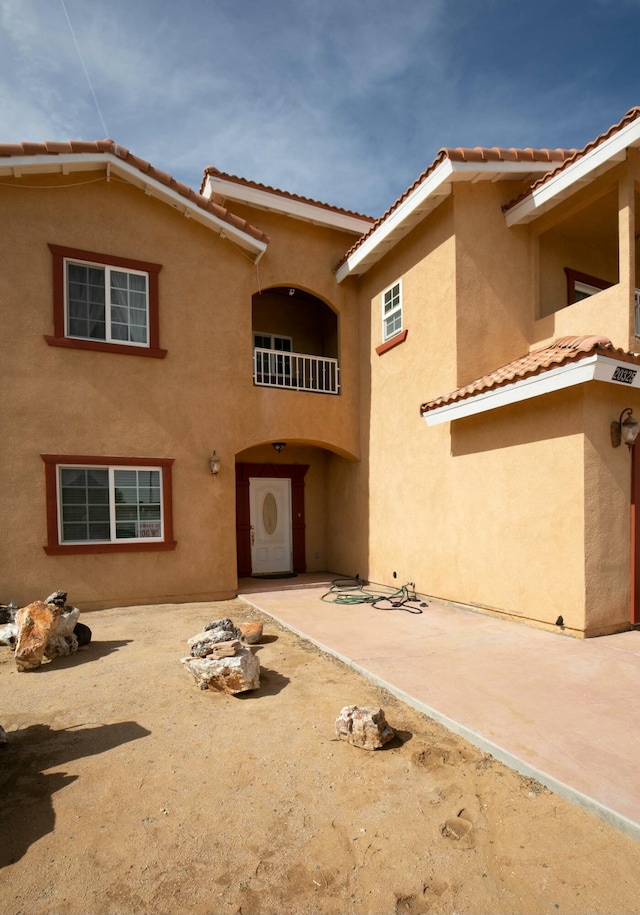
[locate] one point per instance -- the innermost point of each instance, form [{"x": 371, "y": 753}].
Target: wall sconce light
[
  {"x": 214, "y": 463},
  {"x": 279, "y": 446},
  {"x": 626, "y": 431}
]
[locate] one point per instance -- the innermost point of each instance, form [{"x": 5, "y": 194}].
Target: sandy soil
[{"x": 125, "y": 789}]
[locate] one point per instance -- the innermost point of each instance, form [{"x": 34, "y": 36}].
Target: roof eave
[
  {"x": 593, "y": 368},
  {"x": 265, "y": 199},
  {"x": 594, "y": 163},
  {"x": 74, "y": 162},
  {"x": 429, "y": 193}
]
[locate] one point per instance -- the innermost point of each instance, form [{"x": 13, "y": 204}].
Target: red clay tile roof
[
  {"x": 578, "y": 154},
  {"x": 81, "y": 147},
  {"x": 561, "y": 352},
  {"x": 462, "y": 154},
  {"x": 212, "y": 170}
]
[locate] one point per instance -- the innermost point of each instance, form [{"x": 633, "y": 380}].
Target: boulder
[
  {"x": 363, "y": 727},
  {"x": 237, "y": 674},
  {"x": 37, "y": 623},
  {"x": 251, "y": 632}
]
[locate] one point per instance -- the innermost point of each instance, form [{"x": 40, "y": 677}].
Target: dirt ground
[{"x": 126, "y": 789}]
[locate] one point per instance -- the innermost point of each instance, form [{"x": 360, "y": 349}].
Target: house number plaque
[{"x": 626, "y": 376}]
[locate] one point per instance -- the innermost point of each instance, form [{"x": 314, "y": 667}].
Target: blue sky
[{"x": 344, "y": 101}]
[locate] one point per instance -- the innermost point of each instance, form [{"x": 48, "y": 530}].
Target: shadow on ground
[
  {"x": 26, "y": 812},
  {"x": 271, "y": 683},
  {"x": 92, "y": 652}
]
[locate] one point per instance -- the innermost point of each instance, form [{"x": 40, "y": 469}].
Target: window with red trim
[
  {"x": 104, "y": 504},
  {"x": 105, "y": 303}
]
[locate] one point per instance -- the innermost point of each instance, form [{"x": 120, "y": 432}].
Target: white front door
[{"x": 270, "y": 515}]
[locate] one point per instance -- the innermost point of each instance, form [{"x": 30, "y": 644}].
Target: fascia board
[
  {"x": 224, "y": 229},
  {"x": 436, "y": 184},
  {"x": 430, "y": 186},
  {"x": 267, "y": 200},
  {"x": 95, "y": 161},
  {"x": 594, "y": 368},
  {"x": 607, "y": 154}
]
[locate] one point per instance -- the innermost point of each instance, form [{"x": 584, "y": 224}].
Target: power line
[{"x": 86, "y": 72}]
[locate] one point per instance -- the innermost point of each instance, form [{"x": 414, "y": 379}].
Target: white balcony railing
[{"x": 295, "y": 371}]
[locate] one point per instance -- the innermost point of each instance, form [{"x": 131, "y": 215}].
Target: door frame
[{"x": 294, "y": 472}]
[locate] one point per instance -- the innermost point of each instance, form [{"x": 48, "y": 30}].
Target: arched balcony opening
[{"x": 295, "y": 341}]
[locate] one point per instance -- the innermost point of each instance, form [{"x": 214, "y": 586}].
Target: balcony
[{"x": 295, "y": 371}]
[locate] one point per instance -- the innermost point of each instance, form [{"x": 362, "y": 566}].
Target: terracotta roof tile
[
  {"x": 560, "y": 352},
  {"x": 245, "y": 182},
  {"x": 462, "y": 154},
  {"x": 578, "y": 154},
  {"x": 82, "y": 147}
]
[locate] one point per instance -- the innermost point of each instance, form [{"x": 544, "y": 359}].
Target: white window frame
[
  {"x": 107, "y": 269},
  {"x": 394, "y": 313},
  {"x": 112, "y": 469},
  {"x": 272, "y": 339}
]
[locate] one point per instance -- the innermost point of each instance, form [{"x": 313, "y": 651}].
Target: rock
[
  {"x": 363, "y": 727},
  {"x": 59, "y": 598},
  {"x": 237, "y": 674},
  {"x": 202, "y": 642},
  {"x": 251, "y": 632},
  {"x": 226, "y": 623},
  {"x": 63, "y": 641},
  {"x": 223, "y": 650},
  {"x": 82, "y": 634},
  {"x": 37, "y": 623},
  {"x": 9, "y": 634}
]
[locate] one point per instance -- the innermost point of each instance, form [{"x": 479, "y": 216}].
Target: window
[
  {"x": 269, "y": 364},
  {"x": 103, "y": 504},
  {"x": 582, "y": 285},
  {"x": 105, "y": 303},
  {"x": 392, "y": 311}
]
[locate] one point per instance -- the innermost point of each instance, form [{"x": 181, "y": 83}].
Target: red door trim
[{"x": 295, "y": 473}]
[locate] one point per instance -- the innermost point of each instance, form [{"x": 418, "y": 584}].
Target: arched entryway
[{"x": 270, "y": 527}]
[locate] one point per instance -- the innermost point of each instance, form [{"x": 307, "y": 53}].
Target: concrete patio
[{"x": 562, "y": 710}]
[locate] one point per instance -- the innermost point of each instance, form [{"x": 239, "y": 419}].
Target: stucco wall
[
  {"x": 199, "y": 398},
  {"x": 513, "y": 510}
]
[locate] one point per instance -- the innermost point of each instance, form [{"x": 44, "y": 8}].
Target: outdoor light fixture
[
  {"x": 214, "y": 463},
  {"x": 279, "y": 446},
  {"x": 626, "y": 431}
]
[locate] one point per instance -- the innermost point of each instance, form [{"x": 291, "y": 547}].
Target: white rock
[
  {"x": 237, "y": 674},
  {"x": 363, "y": 727}
]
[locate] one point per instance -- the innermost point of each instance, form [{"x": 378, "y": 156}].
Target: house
[{"x": 202, "y": 386}]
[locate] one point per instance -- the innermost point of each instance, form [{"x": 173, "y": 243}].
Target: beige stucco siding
[{"x": 199, "y": 398}]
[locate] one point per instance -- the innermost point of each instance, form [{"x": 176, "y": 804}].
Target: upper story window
[
  {"x": 98, "y": 504},
  {"x": 582, "y": 285},
  {"x": 392, "y": 311},
  {"x": 105, "y": 303}
]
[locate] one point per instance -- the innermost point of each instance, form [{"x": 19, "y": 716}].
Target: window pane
[
  {"x": 84, "y": 504},
  {"x": 138, "y": 511},
  {"x": 85, "y": 301},
  {"x": 128, "y": 306}
]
